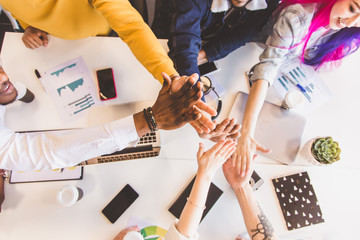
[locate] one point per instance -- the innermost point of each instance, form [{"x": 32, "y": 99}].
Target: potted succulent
[{"x": 321, "y": 151}]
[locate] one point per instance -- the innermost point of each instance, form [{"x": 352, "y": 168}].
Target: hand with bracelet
[
  {"x": 173, "y": 110},
  {"x": 208, "y": 163}
]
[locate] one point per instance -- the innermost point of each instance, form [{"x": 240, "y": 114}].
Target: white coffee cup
[
  {"x": 133, "y": 236},
  {"x": 293, "y": 99},
  {"x": 68, "y": 195}
]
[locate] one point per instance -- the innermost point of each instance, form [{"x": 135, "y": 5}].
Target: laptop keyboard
[
  {"x": 127, "y": 157},
  {"x": 148, "y": 138}
]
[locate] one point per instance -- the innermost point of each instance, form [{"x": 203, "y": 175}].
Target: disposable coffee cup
[
  {"x": 293, "y": 99},
  {"x": 28, "y": 97},
  {"x": 133, "y": 236},
  {"x": 69, "y": 195},
  {"x": 23, "y": 93}
]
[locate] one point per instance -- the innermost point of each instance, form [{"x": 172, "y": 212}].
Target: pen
[
  {"x": 39, "y": 77},
  {"x": 295, "y": 84}
]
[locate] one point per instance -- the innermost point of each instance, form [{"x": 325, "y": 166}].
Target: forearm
[
  {"x": 254, "y": 104},
  {"x": 2, "y": 188},
  {"x": 140, "y": 124},
  {"x": 257, "y": 225},
  {"x": 185, "y": 35},
  {"x": 192, "y": 212},
  {"x": 56, "y": 149},
  {"x": 131, "y": 28}
]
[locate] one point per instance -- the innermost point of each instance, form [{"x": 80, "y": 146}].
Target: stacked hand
[
  {"x": 233, "y": 177},
  {"x": 212, "y": 159},
  {"x": 174, "y": 109},
  {"x": 34, "y": 38},
  {"x": 245, "y": 153},
  {"x": 206, "y": 112},
  {"x": 227, "y": 129}
]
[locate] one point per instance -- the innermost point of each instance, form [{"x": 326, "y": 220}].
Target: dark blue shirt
[{"x": 190, "y": 25}]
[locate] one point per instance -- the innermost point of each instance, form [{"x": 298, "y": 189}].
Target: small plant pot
[{"x": 306, "y": 155}]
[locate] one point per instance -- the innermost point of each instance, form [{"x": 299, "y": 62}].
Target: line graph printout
[{"x": 71, "y": 87}]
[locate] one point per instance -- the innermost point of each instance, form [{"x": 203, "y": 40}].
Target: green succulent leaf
[{"x": 326, "y": 150}]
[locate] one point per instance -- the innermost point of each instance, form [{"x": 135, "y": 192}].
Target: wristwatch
[{"x": 3, "y": 173}]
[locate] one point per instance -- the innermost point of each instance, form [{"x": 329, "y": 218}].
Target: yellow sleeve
[{"x": 131, "y": 28}]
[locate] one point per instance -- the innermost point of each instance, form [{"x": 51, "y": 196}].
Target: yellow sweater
[{"x": 74, "y": 19}]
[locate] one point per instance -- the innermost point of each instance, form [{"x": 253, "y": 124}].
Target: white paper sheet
[
  {"x": 71, "y": 86},
  {"x": 315, "y": 91}
]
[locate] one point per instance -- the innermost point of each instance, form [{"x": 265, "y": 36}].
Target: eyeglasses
[{"x": 207, "y": 87}]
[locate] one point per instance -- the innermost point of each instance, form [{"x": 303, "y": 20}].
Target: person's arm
[
  {"x": 131, "y": 28},
  {"x": 50, "y": 150},
  {"x": 208, "y": 163},
  {"x": 2, "y": 187},
  {"x": 257, "y": 224},
  {"x": 228, "y": 41},
  {"x": 185, "y": 35},
  {"x": 287, "y": 32}
]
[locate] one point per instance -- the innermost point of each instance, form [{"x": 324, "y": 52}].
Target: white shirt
[{"x": 58, "y": 149}]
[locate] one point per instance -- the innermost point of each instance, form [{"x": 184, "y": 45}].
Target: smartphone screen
[
  {"x": 120, "y": 203},
  {"x": 105, "y": 78},
  {"x": 213, "y": 195},
  {"x": 207, "y": 67},
  {"x": 255, "y": 181}
]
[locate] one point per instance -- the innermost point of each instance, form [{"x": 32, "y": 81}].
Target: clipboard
[{"x": 63, "y": 174}]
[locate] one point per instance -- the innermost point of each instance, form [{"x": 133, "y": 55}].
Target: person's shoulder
[
  {"x": 298, "y": 15},
  {"x": 299, "y": 10}
]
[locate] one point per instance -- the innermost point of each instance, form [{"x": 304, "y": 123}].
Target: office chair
[
  {"x": 141, "y": 7},
  {"x": 16, "y": 27}
]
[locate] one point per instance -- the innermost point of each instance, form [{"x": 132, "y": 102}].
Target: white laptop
[
  {"x": 277, "y": 129},
  {"x": 148, "y": 146}
]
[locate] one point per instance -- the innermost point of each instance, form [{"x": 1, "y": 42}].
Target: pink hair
[{"x": 320, "y": 19}]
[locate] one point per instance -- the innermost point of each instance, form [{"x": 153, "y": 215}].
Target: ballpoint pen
[
  {"x": 295, "y": 84},
  {"x": 39, "y": 77}
]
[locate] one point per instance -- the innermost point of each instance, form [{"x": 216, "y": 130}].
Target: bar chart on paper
[
  {"x": 71, "y": 87},
  {"x": 294, "y": 75}
]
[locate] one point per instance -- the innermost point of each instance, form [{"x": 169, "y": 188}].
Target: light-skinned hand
[
  {"x": 34, "y": 38},
  {"x": 244, "y": 153},
  {"x": 123, "y": 232},
  {"x": 227, "y": 129},
  {"x": 232, "y": 176},
  {"x": 211, "y": 160}
]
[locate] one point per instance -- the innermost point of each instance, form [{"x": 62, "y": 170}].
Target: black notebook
[
  {"x": 298, "y": 201},
  {"x": 213, "y": 195}
]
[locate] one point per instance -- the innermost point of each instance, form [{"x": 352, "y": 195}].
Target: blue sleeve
[
  {"x": 185, "y": 35},
  {"x": 231, "y": 39}
]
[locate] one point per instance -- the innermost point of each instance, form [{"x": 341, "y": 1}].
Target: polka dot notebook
[{"x": 298, "y": 201}]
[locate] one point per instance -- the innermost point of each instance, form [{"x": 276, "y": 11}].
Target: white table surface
[{"x": 31, "y": 209}]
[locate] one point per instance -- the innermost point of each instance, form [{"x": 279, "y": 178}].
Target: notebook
[
  {"x": 148, "y": 146},
  {"x": 277, "y": 129},
  {"x": 214, "y": 194},
  {"x": 298, "y": 200}
]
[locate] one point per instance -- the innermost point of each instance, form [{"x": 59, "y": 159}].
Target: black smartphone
[
  {"x": 179, "y": 204},
  {"x": 208, "y": 67},
  {"x": 120, "y": 203},
  {"x": 255, "y": 181},
  {"x": 106, "y": 82}
]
